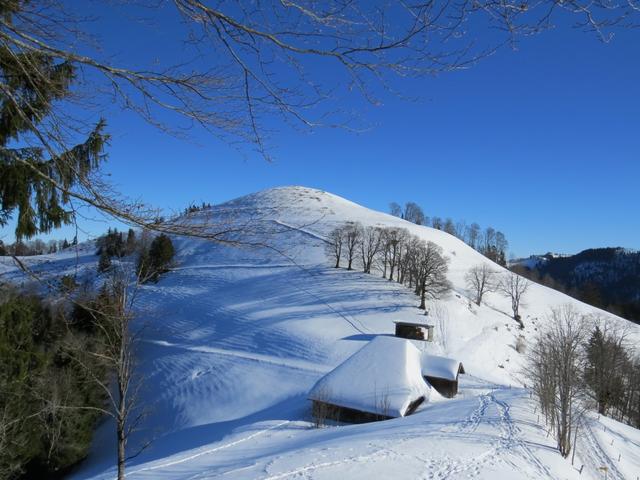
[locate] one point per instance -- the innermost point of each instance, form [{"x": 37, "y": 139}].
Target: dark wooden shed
[
  {"x": 442, "y": 374},
  {"x": 414, "y": 331}
]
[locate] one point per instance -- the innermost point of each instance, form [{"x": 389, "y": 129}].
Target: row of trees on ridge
[
  {"x": 490, "y": 242},
  {"x": 397, "y": 254},
  {"x": 37, "y": 246}
]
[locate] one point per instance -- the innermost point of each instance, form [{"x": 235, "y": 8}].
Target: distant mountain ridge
[{"x": 605, "y": 277}]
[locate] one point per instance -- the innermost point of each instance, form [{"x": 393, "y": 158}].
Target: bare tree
[
  {"x": 449, "y": 226},
  {"x": 413, "y": 213},
  {"x": 555, "y": 367},
  {"x": 335, "y": 244},
  {"x": 431, "y": 273},
  {"x": 488, "y": 241},
  {"x": 321, "y": 409},
  {"x": 115, "y": 349},
  {"x": 406, "y": 259},
  {"x": 514, "y": 287},
  {"x": 501, "y": 247},
  {"x": 370, "y": 245},
  {"x": 393, "y": 239},
  {"x": 473, "y": 234},
  {"x": 395, "y": 209},
  {"x": 480, "y": 279},
  {"x": 461, "y": 230},
  {"x": 352, "y": 238},
  {"x": 436, "y": 222}
]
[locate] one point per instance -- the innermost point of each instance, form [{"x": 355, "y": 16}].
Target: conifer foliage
[
  {"x": 113, "y": 244},
  {"x": 48, "y": 404},
  {"x": 155, "y": 260},
  {"x": 104, "y": 264},
  {"x": 34, "y": 178}
]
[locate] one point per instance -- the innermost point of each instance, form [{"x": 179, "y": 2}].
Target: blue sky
[{"x": 541, "y": 143}]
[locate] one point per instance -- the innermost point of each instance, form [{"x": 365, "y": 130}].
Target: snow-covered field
[{"x": 236, "y": 337}]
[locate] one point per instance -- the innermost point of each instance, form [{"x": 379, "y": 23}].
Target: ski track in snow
[
  {"x": 509, "y": 449},
  {"x": 317, "y": 466},
  {"x": 315, "y": 235},
  {"x": 509, "y": 444},
  {"x": 208, "y": 451},
  {"x": 471, "y": 423},
  {"x": 598, "y": 457},
  {"x": 512, "y": 441}
]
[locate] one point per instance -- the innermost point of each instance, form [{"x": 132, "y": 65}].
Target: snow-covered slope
[{"x": 236, "y": 337}]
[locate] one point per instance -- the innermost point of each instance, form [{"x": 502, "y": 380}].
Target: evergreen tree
[
  {"x": 157, "y": 259},
  {"x": 48, "y": 402},
  {"x": 606, "y": 359},
  {"x": 68, "y": 283},
  {"x": 131, "y": 242},
  {"x": 113, "y": 244},
  {"x": 104, "y": 263},
  {"x": 33, "y": 182}
]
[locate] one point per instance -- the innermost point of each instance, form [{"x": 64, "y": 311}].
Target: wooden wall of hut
[
  {"x": 410, "y": 332},
  {"x": 446, "y": 388},
  {"x": 344, "y": 414}
]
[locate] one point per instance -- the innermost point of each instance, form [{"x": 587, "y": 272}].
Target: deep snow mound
[{"x": 382, "y": 378}]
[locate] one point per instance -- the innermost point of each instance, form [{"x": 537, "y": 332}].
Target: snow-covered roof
[
  {"x": 441, "y": 367},
  {"x": 384, "y": 378}
]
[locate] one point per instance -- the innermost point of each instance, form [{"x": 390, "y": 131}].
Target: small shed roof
[
  {"x": 441, "y": 367},
  {"x": 414, "y": 324},
  {"x": 383, "y": 378}
]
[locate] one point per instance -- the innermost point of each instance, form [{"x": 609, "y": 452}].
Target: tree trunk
[
  {"x": 602, "y": 409},
  {"x": 121, "y": 448}
]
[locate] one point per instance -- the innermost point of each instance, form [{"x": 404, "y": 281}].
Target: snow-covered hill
[{"x": 236, "y": 337}]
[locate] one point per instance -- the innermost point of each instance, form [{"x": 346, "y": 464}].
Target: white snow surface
[
  {"x": 384, "y": 377},
  {"x": 236, "y": 337},
  {"x": 440, "y": 367}
]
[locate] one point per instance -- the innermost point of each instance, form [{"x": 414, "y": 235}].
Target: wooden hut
[
  {"x": 380, "y": 381},
  {"x": 442, "y": 374},
  {"x": 414, "y": 331}
]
